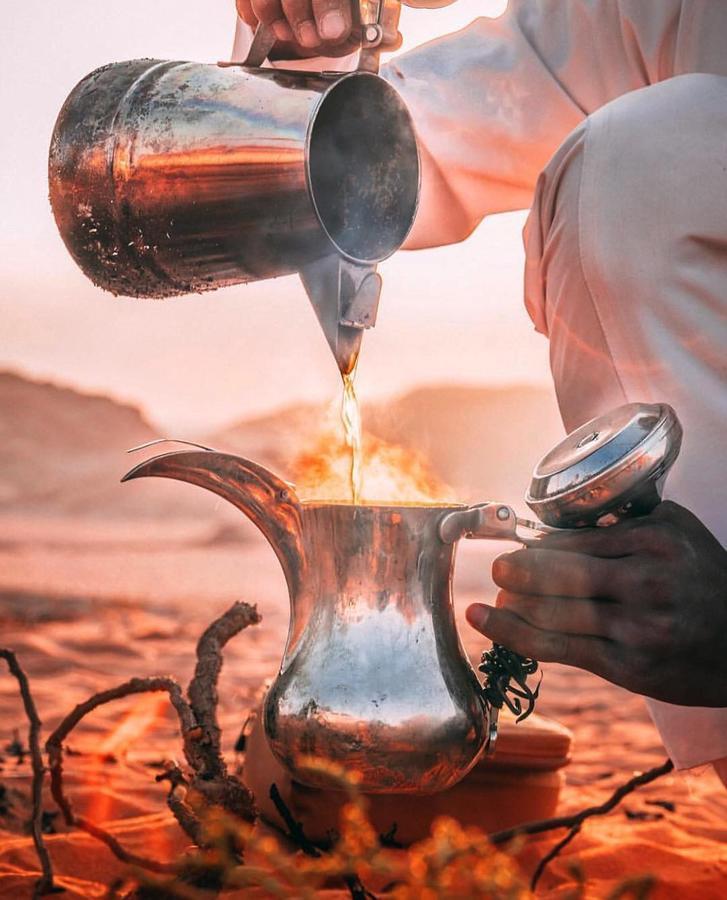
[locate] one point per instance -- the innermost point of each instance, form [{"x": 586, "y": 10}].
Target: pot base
[{"x": 522, "y": 782}]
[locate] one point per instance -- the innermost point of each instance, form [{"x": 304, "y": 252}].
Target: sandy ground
[{"x": 86, "y": 606}]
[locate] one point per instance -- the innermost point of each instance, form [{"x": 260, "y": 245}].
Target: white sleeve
[{"x": 491, "y": 103}]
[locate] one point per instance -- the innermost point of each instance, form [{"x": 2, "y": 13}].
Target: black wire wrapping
[{"x": 500, "y": 666}]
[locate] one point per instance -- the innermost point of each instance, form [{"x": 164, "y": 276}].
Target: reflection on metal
[
  {"x": 612, "y": 467},
  {"x": 373, "y": 676},
  {"x": 169, "y": 178}
]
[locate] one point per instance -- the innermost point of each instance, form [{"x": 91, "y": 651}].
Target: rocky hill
[
  {"x": 62, "y": 454},
  {"x": 62, "y": 451}
]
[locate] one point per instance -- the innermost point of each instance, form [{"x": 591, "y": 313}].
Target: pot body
[
  {"x": 173, "y": 177},
  {"x": 374, "y": 677}
]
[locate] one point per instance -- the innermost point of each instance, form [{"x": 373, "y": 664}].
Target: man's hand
[
  {"x": 323, "y": 27},
  {"x": 642, "y": 603},
  {"x": 305, "y": 27}
]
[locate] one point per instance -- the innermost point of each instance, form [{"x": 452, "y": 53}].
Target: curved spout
[{"x": 265, "y": 499}]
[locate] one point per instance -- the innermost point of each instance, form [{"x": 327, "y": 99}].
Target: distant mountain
[
  {"x": 62, "y": 451},
  {"x": 272, "y": 439}
]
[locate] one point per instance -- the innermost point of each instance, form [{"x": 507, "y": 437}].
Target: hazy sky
[{"x": 452, "y": 314}]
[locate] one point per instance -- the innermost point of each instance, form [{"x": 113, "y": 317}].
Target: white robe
[{"x": 629, "y": 313}]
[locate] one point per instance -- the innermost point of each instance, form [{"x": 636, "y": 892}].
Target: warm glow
[
  {"x": 143, "y": 715},
  {"x": 390, "y": 473},
  {"x": 141, "y": 718}
]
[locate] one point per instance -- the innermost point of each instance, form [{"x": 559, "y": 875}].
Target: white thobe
[{"x": 572, "y": 107}]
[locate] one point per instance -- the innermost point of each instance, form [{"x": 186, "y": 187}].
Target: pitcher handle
[
  {"x": 262, "y": 43},
  {"x": 385, "y": 18},
  {"x": 493, "y": 521}
]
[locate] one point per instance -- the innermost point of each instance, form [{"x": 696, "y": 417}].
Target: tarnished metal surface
[
  {"x": 373, "y": 676},
  {"x": 173, "y": 177}
]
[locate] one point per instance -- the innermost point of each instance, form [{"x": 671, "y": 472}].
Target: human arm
[{"x": 492, "y": 102}]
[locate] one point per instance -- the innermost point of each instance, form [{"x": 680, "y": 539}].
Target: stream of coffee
[{"x": 351, "y": 418}]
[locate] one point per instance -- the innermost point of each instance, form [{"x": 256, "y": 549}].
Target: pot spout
[{"x": 265, "y": 499}]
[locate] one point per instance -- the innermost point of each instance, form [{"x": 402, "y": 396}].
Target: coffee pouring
[
  {"x": 373, "y": 675},
  {"x": 170, "y": 178}
]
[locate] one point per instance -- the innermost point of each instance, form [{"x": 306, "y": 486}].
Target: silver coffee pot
[
  {"x": 171, "y": 178},
  {"x": 373, "y": 676}
]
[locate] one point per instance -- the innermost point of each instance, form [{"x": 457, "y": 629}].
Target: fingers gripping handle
[{"x": 376, "y": 20}]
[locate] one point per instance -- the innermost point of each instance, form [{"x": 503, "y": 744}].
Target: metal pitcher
[
  {"x": 373, "y": 676},
  {"x": 168, "y": 178}
]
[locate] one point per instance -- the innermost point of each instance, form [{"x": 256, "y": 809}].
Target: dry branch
[
  {"x": 298, "y": 836},
  {"x": 205, "y": 754},
  {"x": 54, "y": 748},
  {"x": 45, "y": 884},
  {"x": 575, "y": 822},
  {"x": 202, "y": 691},
  {"x": 177, "y": 802},
  {"x": 295, "y": 828}
]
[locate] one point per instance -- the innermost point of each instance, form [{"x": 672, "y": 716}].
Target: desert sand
[{"x": 99, "y": 583}]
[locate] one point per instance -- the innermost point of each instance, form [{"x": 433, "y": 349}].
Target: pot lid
[{"x": 605, "y": 465}]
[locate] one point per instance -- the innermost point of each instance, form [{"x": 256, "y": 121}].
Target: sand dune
[{"x": 146, "y": 621}]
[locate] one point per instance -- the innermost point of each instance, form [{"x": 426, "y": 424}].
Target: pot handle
[{"x": 491, "y": 521}]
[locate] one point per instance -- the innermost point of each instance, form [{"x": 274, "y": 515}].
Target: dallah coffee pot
[{"x": 373, "y": 675}]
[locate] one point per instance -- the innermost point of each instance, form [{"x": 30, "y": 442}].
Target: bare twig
[
  {"x": 211, "y": 778},
  {"x": 200, "y": 735},
  {"x": 552, "y": 853},
  {"x": 45, "y": 884},
  {"x": 295, "y": 828},
  {"x": 202, "y": 691},
  {"x": 54, "y": 748},
  {"x": 502, "y": 837},
  {"x": 296, "y": 833},
  {"x": 177, "y": 802},
  {"x": 356, "y": 888},
  {"x": 575, "y": 821}
]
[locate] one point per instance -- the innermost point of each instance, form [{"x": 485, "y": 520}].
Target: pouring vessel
[{"x": 373, "y": 676}]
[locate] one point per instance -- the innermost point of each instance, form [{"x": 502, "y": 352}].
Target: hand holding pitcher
[{"x": 306, "y": 28}]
